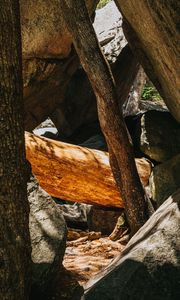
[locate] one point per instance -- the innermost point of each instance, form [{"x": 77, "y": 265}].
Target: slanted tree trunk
[
  {"x": 110, "y": 116},
  {"x": 152, "y": 29},
  {"x": 14, "y": 231}
]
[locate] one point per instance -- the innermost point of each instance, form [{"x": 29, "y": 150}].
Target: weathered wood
[
  {"x": 155, "y": 41},
  {"x": 75, "y": 173}
]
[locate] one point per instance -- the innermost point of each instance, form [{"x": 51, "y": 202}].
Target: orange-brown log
[{"x": 71, "y": 172}]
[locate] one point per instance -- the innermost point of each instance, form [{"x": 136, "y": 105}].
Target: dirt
[{"x": 88, "y": 254}]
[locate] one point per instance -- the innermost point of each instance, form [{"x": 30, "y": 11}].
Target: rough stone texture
[
  {"x": 160, "y": 135},
  {"x": 132, "y": 106},
  {"x": 75, "y": 214},
  {"x": 52, "y": 84},
  {"x": 108, "y": 27},
  {"x": 165, "y": 179},
  {"x": 79, "y": 106},
  {"x": 48, "y": 235},
  {"x": 146, "y": 105},
  {"x": 45, "y": 83},
  {"x": 153, "y": 32},
  {"x": 44, "y": 32},
  {"x": 149, "y": 266},
  {"x": 48, "y": 62}
]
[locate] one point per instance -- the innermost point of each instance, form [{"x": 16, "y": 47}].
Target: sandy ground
[{"x": 88, "y": 254}]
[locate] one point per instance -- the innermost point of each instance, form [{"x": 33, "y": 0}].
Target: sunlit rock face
[{"x": 44, "y": 33}]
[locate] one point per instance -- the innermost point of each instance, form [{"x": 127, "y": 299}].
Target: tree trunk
[
  {"x": 151, "y": 27},
  {"x": 14, "y": 230},
  {"x": 75, "y": 173},
  {"x": 111, "y": 119}
]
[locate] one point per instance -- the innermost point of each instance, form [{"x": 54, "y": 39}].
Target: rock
[
  {"x": 44, "y": 32},
  {"x": 53, "y": 84},
  {"x": 45, "y": 83},
  {"x": 48, "y": 236},
  {"x": 151, "y": 28},
  {"x": 49, "y": 132},
  {"x": 75, "y": 214},
  {"x": 102, "y": 219},
  {"x": 95, "y": 142},
  {"x": 78, "y": 107},
  {"x": 165, "y": 179},
  {"x": 48, "y": 62},
  {"x": 146, "y": 105},
  {"x": 132, "y": 106},
  {"x": 149, "y": 266},
  {"x": 160, "y": 135},
  {"x": 108, "y": 27}
]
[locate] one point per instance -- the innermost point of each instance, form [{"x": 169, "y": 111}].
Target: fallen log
[{"x": 71, "y": 172}]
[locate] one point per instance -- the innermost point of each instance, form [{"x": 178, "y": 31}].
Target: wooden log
[{"x": 71, "y": 172}]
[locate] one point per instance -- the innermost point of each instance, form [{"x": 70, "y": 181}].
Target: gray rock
[
  {"x": 45, "y": 131},
  {"x": 149, "y": 266},
  {"x": 146, "y": 105},
  {"x": 48, "y": 236},
  {"x": 108, "y": 27},
  {"x": 165, "y": 179},
  {"x": 160, "y": 135},
  {"x": 75, "y": 214}
]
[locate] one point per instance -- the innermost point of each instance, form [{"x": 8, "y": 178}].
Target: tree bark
[
  {"x": 14, "y": 230},
  {"x": 75, "y": 173},
  {"x": 155, "y": 42},
  {"x": 111, "y": 119}
]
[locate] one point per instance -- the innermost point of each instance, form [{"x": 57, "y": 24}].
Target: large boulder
[
  {"x": 165, "y": 179},
  {"x": 159, "y": 135},
  {"x": 53, "y": 84},
  {"x": 151, "y": 28},
  {"x": 149, "y": 266},
  {"x": 44, "y": 32},
  {"x": 48, "y": 237},
  {"x": 48, "y": 62}
]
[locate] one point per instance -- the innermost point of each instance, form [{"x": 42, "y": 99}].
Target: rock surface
[
  {"x": 165, "y": 179},
  {"x": 108, "y": 27},
  {"x": 75, "y": 214},
  {"x": 149, "y": 266},
  {"x": 48, "y": 236},
  {"x": 102, "y": 219},
  {"x": 88, "y": 255},
  {"x": 53, "y": 84},
  {"x": 44, "y": 32},
  {"x": 160, "y": 135},
  {"x": 48, "y": 62},
  {"x": 151, "y": 28}
]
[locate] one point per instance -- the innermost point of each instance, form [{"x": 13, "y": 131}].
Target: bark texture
[
  {"x": 75, "y": 173},
  {"x": 111, "y": 119},
  {"x": 152, "y": 29},
  {"x": 14, "y": 230}
]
